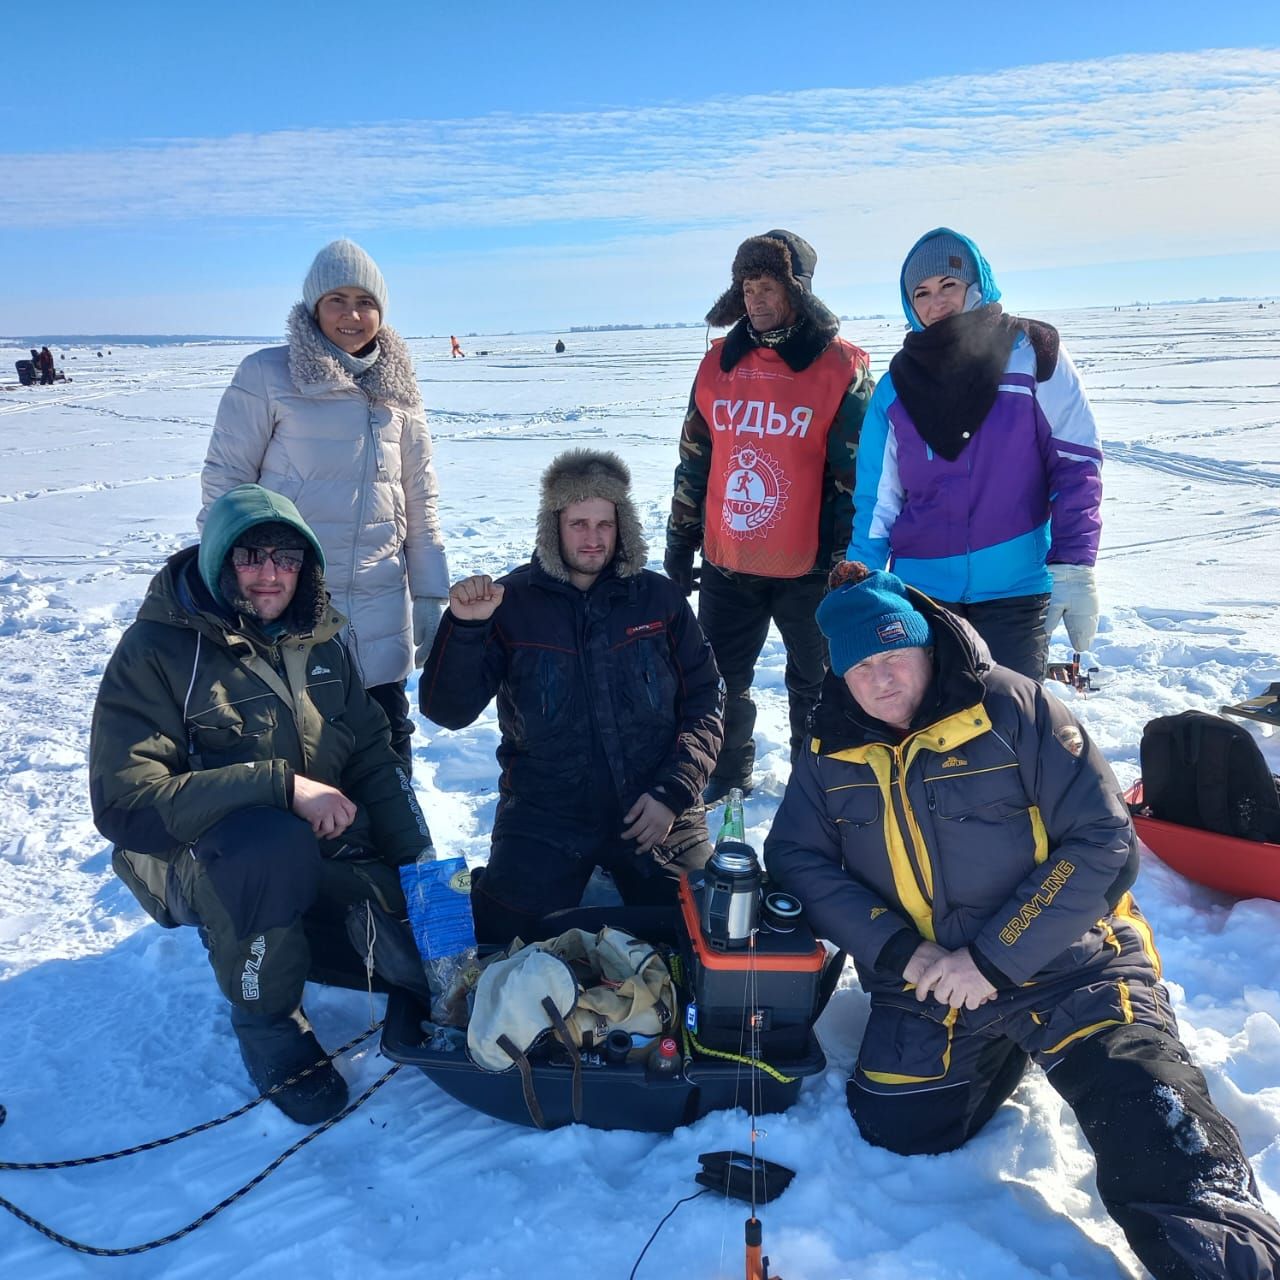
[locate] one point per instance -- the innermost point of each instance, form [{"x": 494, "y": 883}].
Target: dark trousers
[
  {"x": 259, "y": 890},
  {"x": 541, "y": 870},
  {"x": 735, "y": 610},
  {"x": 395, "y": 703},
  {"x": 1171, "y": 1170},
  {"x": 1013, "y": 629}
]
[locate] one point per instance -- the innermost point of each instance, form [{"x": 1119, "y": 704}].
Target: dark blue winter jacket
[
  {"x": 995, "y": 823},
  {"x": 603, "y": 695}
]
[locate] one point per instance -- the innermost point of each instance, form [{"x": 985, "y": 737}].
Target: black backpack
[{"x": 1201, "y": 770}]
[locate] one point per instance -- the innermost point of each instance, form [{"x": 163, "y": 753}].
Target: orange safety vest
[{"x": 769, "y": 427}]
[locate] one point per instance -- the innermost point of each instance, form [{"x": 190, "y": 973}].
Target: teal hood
[
  {"x": 988, "y": 289},
  {"x": 237, "y": 510}
]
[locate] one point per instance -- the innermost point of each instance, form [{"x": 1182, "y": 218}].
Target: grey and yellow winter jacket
[
  {"x": 994, "y": 824},
  {"x": 200, "y": 714}
]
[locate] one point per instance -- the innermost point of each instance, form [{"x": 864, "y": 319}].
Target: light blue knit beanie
[{"x": 344, "y": 265}]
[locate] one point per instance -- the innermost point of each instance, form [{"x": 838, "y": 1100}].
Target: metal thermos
[{"x": 731, "y": 895}]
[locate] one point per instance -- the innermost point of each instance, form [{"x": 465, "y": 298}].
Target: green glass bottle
[{"x": 732, "y": 825}]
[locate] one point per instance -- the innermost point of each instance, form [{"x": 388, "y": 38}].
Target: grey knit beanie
[
  {"x": 940, "y": 255},
  {"x": 344, "y": 264}
]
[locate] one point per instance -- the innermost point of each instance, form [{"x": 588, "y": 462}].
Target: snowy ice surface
[{"x": 113, "y": 1029}]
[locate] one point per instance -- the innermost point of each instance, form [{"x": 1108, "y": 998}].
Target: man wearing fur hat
[
  {"x": 954, "y": 829},
  {"x": 248, "y": 784},
  {"x": 608, "y": 703},
  {"x": 765, "y": 482},
  {"x": 334, "y": 421}
]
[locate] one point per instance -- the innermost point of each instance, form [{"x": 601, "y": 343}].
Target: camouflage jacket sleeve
[
  {"x": 836, "y": 518},
  {"x": 684, "y": 526}
]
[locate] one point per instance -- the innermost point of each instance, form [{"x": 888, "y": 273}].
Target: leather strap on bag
[
  {"x": 526, "y": 1081},
  {"x": 526, "y": 1069}
]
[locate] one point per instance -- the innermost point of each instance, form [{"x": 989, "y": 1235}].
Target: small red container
[{"x": 1244, "y": 868}]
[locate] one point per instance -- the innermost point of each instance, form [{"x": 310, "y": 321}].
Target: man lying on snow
[
  {"x": 608, "y": 702},
  {"x": 954, "y": 829},
  {"x": 248, "y": 782}
]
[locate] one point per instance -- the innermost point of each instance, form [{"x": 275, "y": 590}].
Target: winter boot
[{"x": 277, "y": 1049}]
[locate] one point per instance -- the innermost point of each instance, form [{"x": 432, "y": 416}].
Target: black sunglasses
[{"x": 256, "y": 557}]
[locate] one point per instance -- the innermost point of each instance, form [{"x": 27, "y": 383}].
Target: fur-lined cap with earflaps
[
  {"x": 785, "y": 257},
  {"x": 576, "y": 476}
]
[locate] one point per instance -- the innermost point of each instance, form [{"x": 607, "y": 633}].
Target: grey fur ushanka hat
[{"x": 576, "y": 476}]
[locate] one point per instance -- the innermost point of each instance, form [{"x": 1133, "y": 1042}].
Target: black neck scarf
[
  {"x": 799, "y": 345},
  {"x": 947, "y": 375}
]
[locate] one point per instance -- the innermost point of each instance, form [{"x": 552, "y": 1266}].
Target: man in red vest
[{"x": 765, "y": 482}]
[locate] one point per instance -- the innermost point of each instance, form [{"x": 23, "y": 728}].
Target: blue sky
[{"x": 515, "y": 166}]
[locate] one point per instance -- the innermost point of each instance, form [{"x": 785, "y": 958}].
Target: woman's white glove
[
  {"x": 427, "y": 612},
  {"x": 1075, "y": 602}
]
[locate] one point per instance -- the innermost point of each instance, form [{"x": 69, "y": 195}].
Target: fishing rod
[{"x": 757, "y": 1261}]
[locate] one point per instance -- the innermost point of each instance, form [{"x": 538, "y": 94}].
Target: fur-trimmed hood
[
  {"x": 573, "y": 477},
  {"x": 785, "y": 257},
  {"x": 312, "y": 365}
]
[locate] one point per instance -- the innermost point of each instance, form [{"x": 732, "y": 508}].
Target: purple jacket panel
[{"x": 996, "y": 490}]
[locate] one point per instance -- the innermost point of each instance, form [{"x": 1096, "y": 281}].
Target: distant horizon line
[{"x": 67, "y": 339}]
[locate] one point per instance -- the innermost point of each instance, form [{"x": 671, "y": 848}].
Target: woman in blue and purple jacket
[{"x": 979, "y": 466}]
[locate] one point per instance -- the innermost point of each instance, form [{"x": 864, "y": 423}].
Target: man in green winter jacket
[{"x": 249, "y": 786}]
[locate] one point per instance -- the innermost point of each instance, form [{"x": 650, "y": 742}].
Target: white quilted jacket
[{"x": 355, "y": 457}]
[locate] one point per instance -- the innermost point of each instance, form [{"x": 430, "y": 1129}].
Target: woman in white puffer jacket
[{"x": 334, "y": 421}]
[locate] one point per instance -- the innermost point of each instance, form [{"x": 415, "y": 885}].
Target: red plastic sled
[{"x": 1245, "y": 868}]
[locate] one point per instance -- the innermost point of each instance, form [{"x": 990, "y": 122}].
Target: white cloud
[
  {"x": 633, "y": 214},
  {"x": 1134, "y": 119}
]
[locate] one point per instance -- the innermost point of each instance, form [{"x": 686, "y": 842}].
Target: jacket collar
[
  {"x": 178, "y": 597},
  {"x": 952, "y": 706},
  {"x": 314, "y": 368},
  {"x": 609, "y": 583},
  {"x": 809, "y": 338}
]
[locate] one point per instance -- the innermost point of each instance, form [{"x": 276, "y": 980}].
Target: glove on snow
[
  {"x": 678, "y": 566},
  {"x": 427, "y": 612},
  {"x": 1075, "y": 602}
]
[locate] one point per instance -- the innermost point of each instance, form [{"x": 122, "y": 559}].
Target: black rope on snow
[
  {"x": 227, "y": 1202},
  {"x": 663, "y": 1223},
  {"x": 78, "y": 1161}
]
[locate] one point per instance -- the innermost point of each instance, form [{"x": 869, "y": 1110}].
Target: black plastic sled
[
  {"x": 614, "y": 1096},
  {"x": 1264, "y": 708}
]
